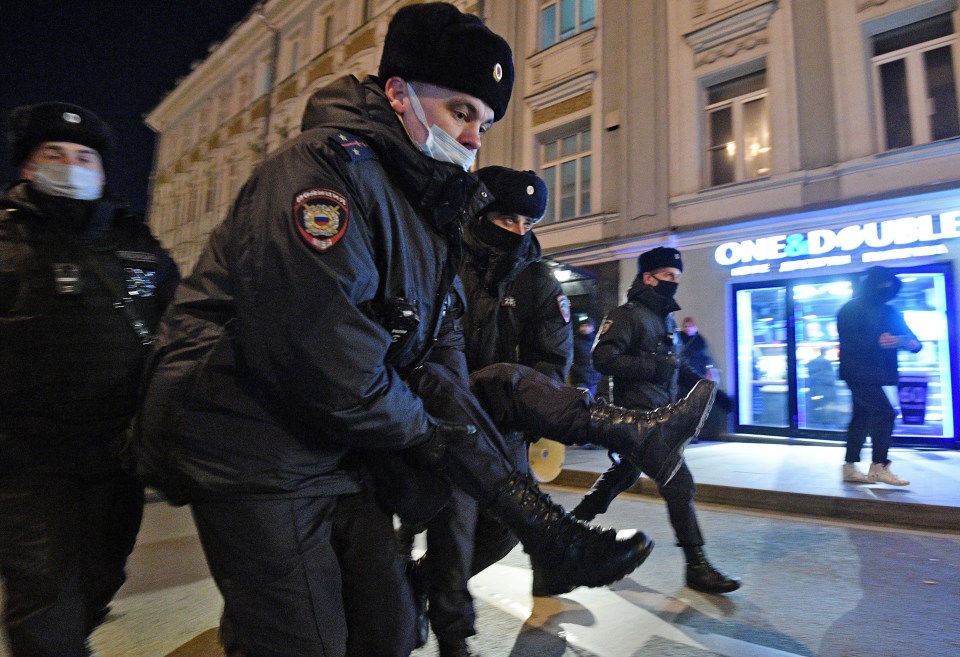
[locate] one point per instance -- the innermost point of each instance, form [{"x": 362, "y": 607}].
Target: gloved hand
[
  {"x": 724, "y": 401},
  {"x": 664, "y": 367},
  {"x": 430, "y": 451}
]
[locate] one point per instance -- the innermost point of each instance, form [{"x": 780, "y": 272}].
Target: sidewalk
[{"x": 805, "y": 480}]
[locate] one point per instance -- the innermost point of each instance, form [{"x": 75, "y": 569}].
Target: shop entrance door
[{"x": 788, "y": 357}]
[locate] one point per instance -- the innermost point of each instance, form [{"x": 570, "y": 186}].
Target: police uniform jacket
[
  {"x": 517, "y": 312},
  {"x": 313, "y": 301},
  {"x": 636, "y": 345},
  {"x": 70, "y": 361}
]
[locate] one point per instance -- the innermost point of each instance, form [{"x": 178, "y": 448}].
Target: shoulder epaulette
[{"x": 354, "y": 147}]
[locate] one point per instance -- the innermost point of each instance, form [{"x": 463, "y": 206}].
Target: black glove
[
  {"x": 724, "y": 401},
  {"x": 430, "y": 452},
  {"x": 664, "y": 365}
]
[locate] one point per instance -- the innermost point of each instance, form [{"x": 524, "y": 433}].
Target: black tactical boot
[
  {"x": 564, "y": 552},
  {"x": 702, "y": 576},
  {"x": 418, "y": 586},
  {"x": 656, "y": 438}
]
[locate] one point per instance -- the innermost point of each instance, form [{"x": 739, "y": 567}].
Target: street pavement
[{"x": 815, "y": 582}]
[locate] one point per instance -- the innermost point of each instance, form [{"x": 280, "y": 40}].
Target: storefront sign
[{"x": 824, "y": 247}]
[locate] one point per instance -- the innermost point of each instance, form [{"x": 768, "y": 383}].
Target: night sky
[{"x": 118, "y": 58}]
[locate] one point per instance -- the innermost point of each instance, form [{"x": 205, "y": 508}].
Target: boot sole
[{"x": 664, "y": 480}]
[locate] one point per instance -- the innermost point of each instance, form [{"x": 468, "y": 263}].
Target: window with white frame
[
  {"x": 562, "y": 19},
  {"x": 323, "y": 28},
  {"x": 915, "y": 84},
  {"x": 263, "y": 82},
  {"x": 737, "y": 129},
  {"x": 566, "y": 167},
  {"x": 294, "y": 46}
]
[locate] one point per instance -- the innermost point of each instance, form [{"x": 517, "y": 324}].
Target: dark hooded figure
[{"x": 871, "y": 331}]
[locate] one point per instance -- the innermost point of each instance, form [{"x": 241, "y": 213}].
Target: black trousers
[
  {"x": 64, "y": 543},
  {"x": 678, "y": 494},
  {"x": 307, "y": 576},
  {"x": 873, "y": 416}
]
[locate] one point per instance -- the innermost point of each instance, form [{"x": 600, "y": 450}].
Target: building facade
[{"x": 782, "y": 145}]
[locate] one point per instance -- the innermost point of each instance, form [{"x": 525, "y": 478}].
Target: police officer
[
  {"x": 82, "y": 285},
  {"x": 314, "y": 339},
  {"x": 636, "y": 345},
  {"x": 516, "y": 313},
  {"x": 518, "y": 343}
]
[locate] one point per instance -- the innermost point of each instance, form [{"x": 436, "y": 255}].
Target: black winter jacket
[
  {"x": 636, "y": 345},
  {"x": 517, "y": 312},
  {"x": 859, "y": 325},
  {"x": 70, "y": 362},
  {"x": 313, "y": 301}
]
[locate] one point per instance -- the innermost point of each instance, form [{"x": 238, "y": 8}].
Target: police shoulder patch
[
  {"x": 563, "y": 303},
  {"x": 353, "y": 147},
  {"x": 321, "y": 216}
]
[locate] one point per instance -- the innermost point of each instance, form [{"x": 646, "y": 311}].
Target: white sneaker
[
  {"x": 853, "y": 475},
  {"x": 881, "y": 472}
]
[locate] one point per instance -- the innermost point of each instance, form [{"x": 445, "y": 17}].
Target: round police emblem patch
[{"x": 321, "y": 216}]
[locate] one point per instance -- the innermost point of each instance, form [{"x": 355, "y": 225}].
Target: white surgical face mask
[
  {"x": 440, "y": 145},
  {"x": 67, "y": 180}
]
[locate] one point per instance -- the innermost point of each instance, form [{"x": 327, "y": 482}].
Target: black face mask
[
  {"x": 665, "y": 289},
  {"x": 500, "y": 239}
]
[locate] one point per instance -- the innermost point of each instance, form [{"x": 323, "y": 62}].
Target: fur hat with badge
[
  {"x": 515, "y": 192},
  {"x": 28, "y": 126},
  {"x": 657, "y": 258},
  {"x": 436, "y": 43}
]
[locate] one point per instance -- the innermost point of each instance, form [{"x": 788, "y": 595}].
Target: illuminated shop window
[
  {"x": 914, "y": 81},
  {"x": 737, "y": 129}
]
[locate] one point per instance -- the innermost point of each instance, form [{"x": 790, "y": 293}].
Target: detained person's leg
[
  {"x": 520, "y": 398},
  {"x": 580, "y": 555}
]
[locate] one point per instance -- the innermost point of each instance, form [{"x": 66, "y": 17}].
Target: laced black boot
[
  {"x": 564, "y": 552},
  {"x": 702, "y": 576},
  {"x": 653, "y": 441}
]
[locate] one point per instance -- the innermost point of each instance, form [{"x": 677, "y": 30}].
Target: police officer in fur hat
[
  {"x": 636, "y": 345},
  {"x": 310, "y": 375},
  {"x": 82, "y": 285}
]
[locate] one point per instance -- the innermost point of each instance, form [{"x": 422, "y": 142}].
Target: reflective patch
[
  {"x": 563, "y": 303},
  {"x": 508, "y": 302},
  {"x": 321, "y": 216},
  {"x": 137, "y": 256},
  {"x": 607, "y": 323},
  {"x": 141, "y": 283}
]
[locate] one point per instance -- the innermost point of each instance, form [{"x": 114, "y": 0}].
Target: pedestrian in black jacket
[
  {"x": 310, "y": 379},
  {"x": 870, "y": 332},
  {"x": 82, "y": 285},
  {"x": 636, "y": 345}
]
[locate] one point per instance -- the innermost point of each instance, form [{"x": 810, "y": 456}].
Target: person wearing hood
[
  {"x": 82, "y": 286},
  {"x": 310, "y": 381},
  {"x": 871, "y": 331},
  {"x": 636, "y": 345}
]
